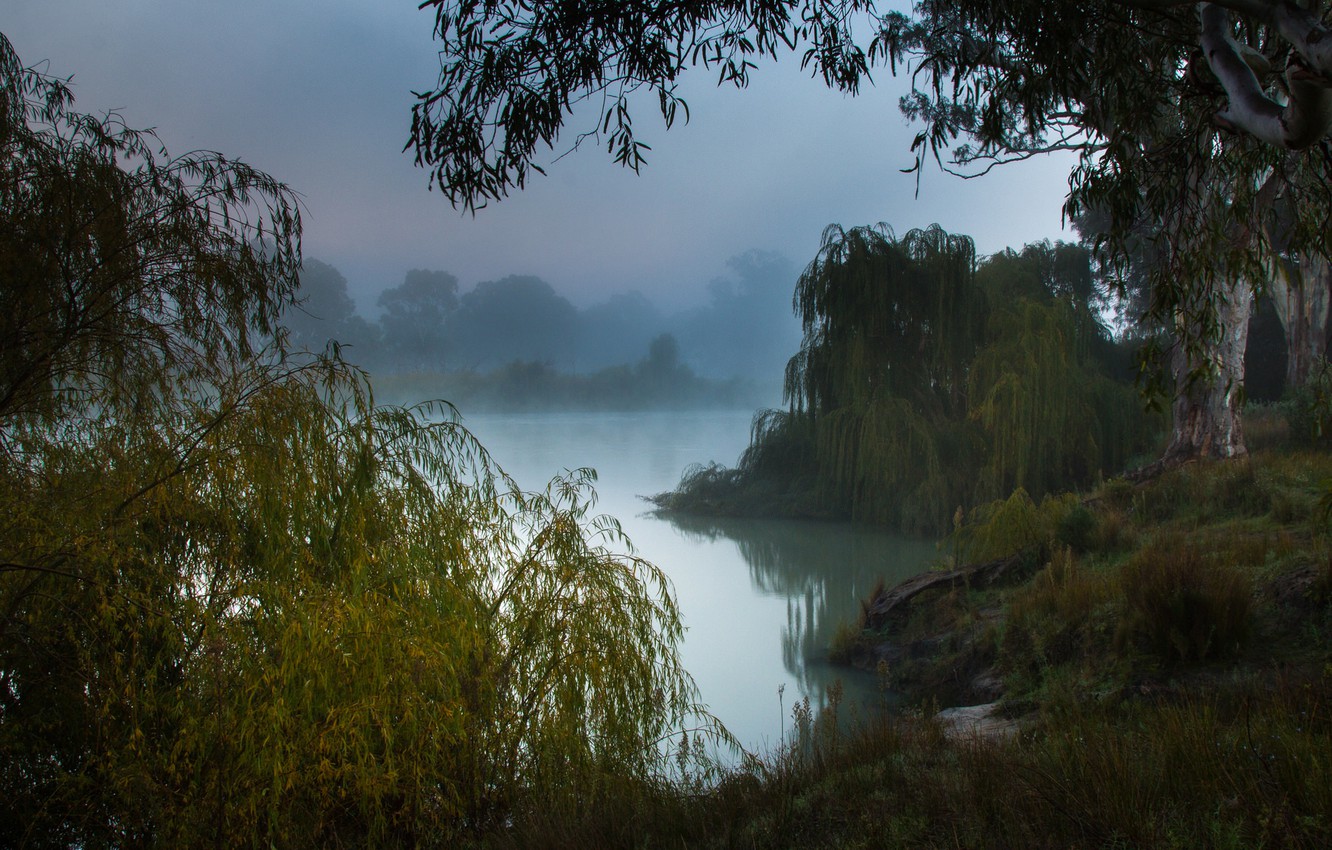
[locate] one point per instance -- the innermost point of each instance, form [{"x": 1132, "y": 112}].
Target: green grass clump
[{"x": 1184, "y": 606}]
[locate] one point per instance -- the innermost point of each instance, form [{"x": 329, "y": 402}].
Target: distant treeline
[
  {"x": 517, "y": 333},
  {"x": 657, "y": 381}
]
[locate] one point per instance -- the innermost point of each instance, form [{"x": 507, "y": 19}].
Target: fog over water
[{"x": 659, "y": 288}]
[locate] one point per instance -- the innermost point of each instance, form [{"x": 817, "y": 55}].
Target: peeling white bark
[
  {"x": 1296, "y": 125},
  {"x": 1209, "y": 381},
  {"x": 1306, "y": 33},
  {"x": 1301, "y": 288}
]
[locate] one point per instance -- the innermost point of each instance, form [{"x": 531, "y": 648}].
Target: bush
[
  {"x": 1182, "y": 607},
  {"x": 1056, "y": 617},
  {"x": 1016, "y": 524},
  {"x": 1309, "y": 407},
  {"x": 1076, "y": 529}
]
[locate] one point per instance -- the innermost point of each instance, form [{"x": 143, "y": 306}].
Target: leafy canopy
[
  {"x": 1180, "y": 112},
  {"x": 928, "y": 382},
  {"x": 511, "y": 73}
]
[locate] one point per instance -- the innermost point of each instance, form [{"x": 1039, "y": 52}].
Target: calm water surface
[{"x": 760, "y": 599}]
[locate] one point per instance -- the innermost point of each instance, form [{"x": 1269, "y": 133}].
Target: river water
[{"x": 760, "y": 599}]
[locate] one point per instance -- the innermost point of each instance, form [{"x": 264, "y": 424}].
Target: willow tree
[
  {"x": 1041, "y": 389},
  {"x": 241, "y": 604},
  {"x": 927, "y": 382},
  {"x": 890, "y": 327}
]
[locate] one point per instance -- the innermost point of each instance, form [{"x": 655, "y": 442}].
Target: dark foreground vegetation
[
  {"x": 242, "y": 605},
  {"x": 1159, "y": 657}
]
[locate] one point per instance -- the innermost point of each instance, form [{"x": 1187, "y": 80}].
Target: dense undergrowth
[{"x": 1167, "y": 653}]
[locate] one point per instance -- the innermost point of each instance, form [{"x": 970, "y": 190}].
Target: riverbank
[{"x": 1158, "y": 657}]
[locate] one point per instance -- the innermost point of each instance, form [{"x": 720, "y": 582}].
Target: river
[{"x": 760, "y": 599}]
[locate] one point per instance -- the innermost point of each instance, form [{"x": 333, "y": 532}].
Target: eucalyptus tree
[
  {"x": 1162, "y": 104},
  {"x": 240, "y": 604},
  {"x": 1179, "y": 111}
]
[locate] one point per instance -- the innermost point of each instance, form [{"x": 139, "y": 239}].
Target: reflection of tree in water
[{"x": 823, "y": 570}]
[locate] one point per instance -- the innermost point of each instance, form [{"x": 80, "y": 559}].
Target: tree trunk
[
  {"x": 1302, "y": 290},
  {"x": 1209, "y": 381}
]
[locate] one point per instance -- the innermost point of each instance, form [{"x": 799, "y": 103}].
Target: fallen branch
[{"x": 888, "y": 604}]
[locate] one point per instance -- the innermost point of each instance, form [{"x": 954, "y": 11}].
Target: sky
[{"x": 318, "y": 93}]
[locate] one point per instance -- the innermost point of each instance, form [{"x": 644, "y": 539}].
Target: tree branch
[{"x": 1295, "y": 126}]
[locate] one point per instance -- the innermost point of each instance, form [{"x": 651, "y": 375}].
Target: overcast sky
[{"x": 318, "y": 94}]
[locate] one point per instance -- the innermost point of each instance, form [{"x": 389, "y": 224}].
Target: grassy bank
[{"x": 1164, "y": 648}]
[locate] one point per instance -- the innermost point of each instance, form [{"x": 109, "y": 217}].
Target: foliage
[
  {"x": 1179, "y": 114},
  {"x": 924, "y": 385},
  {"x": 1014, "y": 525},
  {"x": 239, "y": 602},
  {"x": 122, "y": 265},
  {"x": 511, "y": 72},
  {"x": 1309, "y": 407},
  {"x": 1186, "y": 606},
  {"x": 414, "y": 315},
  {"x": 1167, "y": 168},
  {"x": 324, "y": 313}
]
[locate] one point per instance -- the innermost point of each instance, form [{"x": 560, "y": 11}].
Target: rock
[
  {"x": 976, "y": 722},
  {"x": 987, "y": 685}
]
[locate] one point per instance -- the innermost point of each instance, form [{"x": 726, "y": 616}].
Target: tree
[
  {"x": 511, "y": 72},
  {"x": 239, "y": 604},
  {"x": 416, "y": 314},
  {"x": 746, "y": 328},
  {"x": 519, "y": 317},
  {"x": 1134, "y": 88},
  {"x": 926, "y": 384},
  {"x": 1169, "y": 104},
  {"x": 124, "y": 278},
  {"x": 612, "y": 332},
  {"x": 324, "y": 312}
]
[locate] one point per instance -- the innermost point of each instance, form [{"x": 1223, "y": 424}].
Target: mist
[{"x": 516, "y": 343}]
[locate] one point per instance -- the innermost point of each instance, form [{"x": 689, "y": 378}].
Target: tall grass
[{"x": 1184, "y": 606}]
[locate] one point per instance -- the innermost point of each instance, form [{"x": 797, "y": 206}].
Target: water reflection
[
  {"x": 822, "y": 570},
  {"x": 761, "y": 599}
]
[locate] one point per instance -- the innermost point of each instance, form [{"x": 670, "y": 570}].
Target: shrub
[
  {"x": 1309, "y": 407},
  {"x": 1016, "y": 524},
  {"x": 1054, "y": 619},
  {"x": 1076, "y": 529},
  {"x": 1182, "y": 606}
]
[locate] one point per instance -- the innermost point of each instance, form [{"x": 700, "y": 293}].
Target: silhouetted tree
[
  {"x": 612, "y": 332},
  {"x": 518, "y": 317},
  {"x": 324, "y": 312},
  {"x": 747, "y": 328},
  {"x": 415, "y": 319}
]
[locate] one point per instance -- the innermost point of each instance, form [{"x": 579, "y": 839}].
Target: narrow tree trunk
[
  {"x": 1209, "y": 381},
  {"x": 1302, "y": 291}
]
